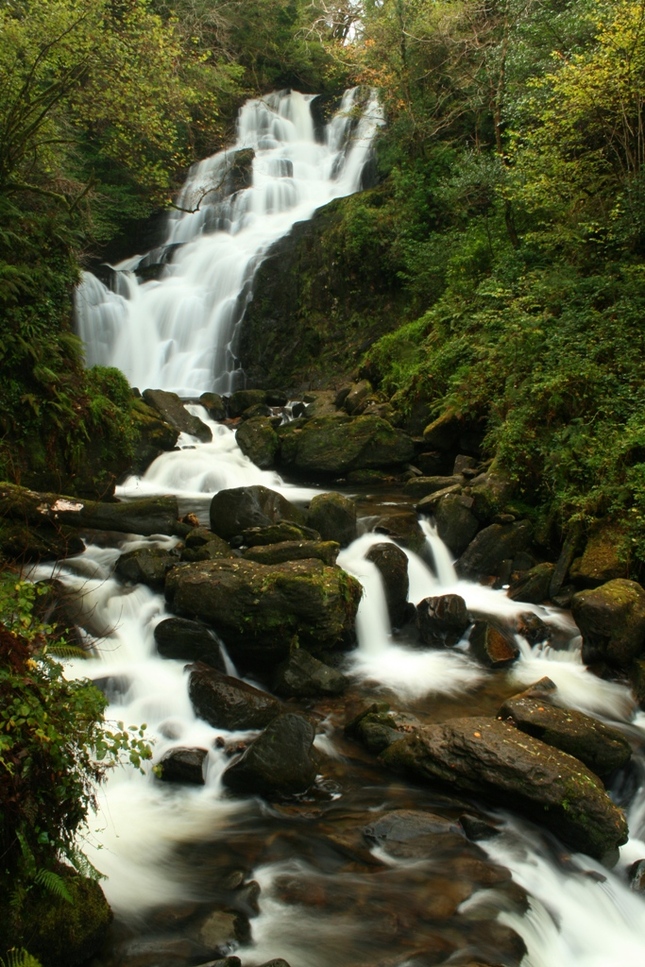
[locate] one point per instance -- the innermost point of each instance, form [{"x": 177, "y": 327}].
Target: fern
[
  {"x": 62, "y": 650},
  {"x": 19, "y": 957},
  {"x": 53, "y": 883}
]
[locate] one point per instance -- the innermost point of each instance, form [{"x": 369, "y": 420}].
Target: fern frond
[
  {"x": 54, "y": 884},
  {"x": 19, "y": 957},
  {"x": 62, "y": 650}
]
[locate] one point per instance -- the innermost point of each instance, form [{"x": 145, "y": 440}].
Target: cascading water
[
  {"x": 178, "y": 332},
  {"x": 154, "y": 841}
]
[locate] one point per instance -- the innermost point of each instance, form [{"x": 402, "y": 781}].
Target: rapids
[{"x": 168, "y": 851}]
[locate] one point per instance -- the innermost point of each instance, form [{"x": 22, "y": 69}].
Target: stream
[{"x": 303, "y": 881}]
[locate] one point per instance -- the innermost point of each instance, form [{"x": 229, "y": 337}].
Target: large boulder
[
  {"x": 601, "y": 560},
  {"x": 154, "y": 435},
  {"x": 456, "y": 524},
  {"x": 188, "y": 641},
  {"x": 533, "y": 585},
  {"x": 392, "y": 564},
  {"x": 334, "y": 517},
  {"x": 493, "y": 646},
  {"x": 173, "y": 411},
  {"x": 234, "y": 510},
  {"x": 259, "y": 610},
  {"x": 602, "y": 748},
  {"x": 183, "y": 765},
  {"x": 611, "y": 619},
  {"x": 146, "y": 565},
  {"x": 491, "y": 547},
  {"x": 491, "y": 491},
  {"x": 338, "y": 444},
  {"x": 229, "y": 703},
  {"x": 281, "y": 761},
  {"x": 493, "y": 759},
  {"x": 325, "y": 551},
  {"x": 258, "y": 440},
  {"x": 303, "y": 676},
  {"x": 443, "y": 620}
]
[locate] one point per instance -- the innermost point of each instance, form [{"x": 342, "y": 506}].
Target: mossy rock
[
  {"x": 612, "y": 621},
  {"x": 329, "y": 446},
  {"x": 154, "y": 435},
  {"x": 601, "y": 559},
  {"x": 258, "y": 440}
]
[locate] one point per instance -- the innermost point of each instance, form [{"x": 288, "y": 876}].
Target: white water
[{"x": 178, "y": 333}]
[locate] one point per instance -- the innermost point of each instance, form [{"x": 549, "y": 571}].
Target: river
[{"x": 307, "y": 885}]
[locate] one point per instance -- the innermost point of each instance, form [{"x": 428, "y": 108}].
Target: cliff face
[{"x": 322, "y": 295}]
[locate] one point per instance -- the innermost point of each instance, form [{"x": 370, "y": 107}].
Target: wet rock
[
  {"x": 243, "y": 399},
  {"x": 411, "y": 834},
  {"x": 485, "y": 554},
  {"x": 325, "y": 551},
  {"x": 476, "y": 828},
  {"x": 49, "y": 542},
  {"x": 333, "y": 445},
  {"x": 636, "y": 876},
  {"x": 281, "y": 761},
  {"x": 154, "y": 435},
  {"x": 146, "y": 565},
  {"x": 443, "y": 620},
  {"x": 276, "y": 533},
  {"x": 455, "y": 522},
  {"x": 275, "y": 963},
  {"x": 229, "y": 703},
  {"x": 401, "y": 524},
  {"x": 259, "y": 609},
  {"x": 531, "y": 627},
  {"x": 234, "y": 510},
  {"x": 492, "y": 646},
  {"x": 601, "y": 748},
  {"x": 188, "y": 641},
  {"x": 258, "y": 440},
  {"x": 444, "y": 432},
  {"x": 392, "y": 564},
  {"x": 221, "y": 930},
  {"x": 214, "y": 405},
  {"x": 201, "y": 544},
  {"x": 352, "y": 397},
  {"x": 303, "y": 676},
  {"x": 491, "y": 491},
  {"x": 420, "y": 487},
  {"x": 174, "y": 412},
  {"x": 601, "y": 560},
  {"x": 532, "y": 586},
  {"x": 334, "y": 517},
  {"x": 182, "y": 765},
  {"x": 376, "y": 726},
  {"x": 611, "y": 619},
  {"x": 493, "y": 759}
]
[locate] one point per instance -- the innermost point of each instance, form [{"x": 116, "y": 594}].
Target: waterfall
[{"x": 177, "y": 332}]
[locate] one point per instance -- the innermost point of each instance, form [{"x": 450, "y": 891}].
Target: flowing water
[{"x": 176, "y": 856}]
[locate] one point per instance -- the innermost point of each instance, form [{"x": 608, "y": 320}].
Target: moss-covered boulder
[
  {"x": 153, "y": 435},
  {"x": 281, "y": 761},
  {"x": 455, "y": 521},
  {"x": 601, "y": 560},
  {"x": 258, "y": 440},
  {"x": 146, "y": 565},
  {"x": 492, "y": 546},
  {"x": 333, "y": 445},
  {"x": 493, "y": 759},
  {"x": 533, "y": 585},
  {"x": 173, "y": 411},
  {"x": 334, "y": 517},
  {"x": 238, "y": 508},
  {"x": 611, "y": 619},
  {"x": 325, "y": 551},
  {"x": 229, "y": 703},
  {"x": 303, "y": 676},
  {"x": 392, "y": 564},
  {"x": 260, "y": 610}
]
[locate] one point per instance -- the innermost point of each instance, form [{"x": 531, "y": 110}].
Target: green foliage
[
  {"x": 54, "y": 750},
  {"x": 18, "y": 957}
]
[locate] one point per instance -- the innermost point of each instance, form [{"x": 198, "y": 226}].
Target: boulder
[
  {"x": 334, "y": 517},
  {"x": 48, "y": 542},
  {"x": 325, "y": 551},
  {"x": 182, "y": 765},
  {"x": 601, "y": 748},
  {"x": 611, "y": 619},
  {"x": 243, "y": 399},
  {"x": 420, "y": 487},
  {"x": 214, "y": 405},
  {"x": 259, "y": 610},
  {"x": 491, "y": 547},
  {"x": 277, "y": 533},
  {"x": 353, "y": 397},
  {"x": 491, "y": 491},
  {"x": 392, "y": 564},
  {"x": 333, "y": 445},
  {"x": 456, "y": 524},
  {"x": 444, "y": 432},
  {"x": 493, "y": 646},
  {"x": 154, "y": 435},
  {"x": 533, "y": 585},
  {"x": 258, "y": 440},
  {"x": 146, "y": 565},
  {"x": 188, "y": 641},
  {"x": 491, "y": 758},
  {"x": 173, "y": 411},
  {"x": 200, "y": 544},
  {"x": 303, "y": 676},
  {"x": 234, "y": 510},
  {"x": 443, "y": 620},
  {"x": 601, "y": 559},
  {"x": 229, "y": 703},
  {"x": 411, "y": 834},
  {"x": 281, "y": 761}
]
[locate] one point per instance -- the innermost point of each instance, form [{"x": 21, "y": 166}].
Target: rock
[
  {"x": 392, "y": 564},
  {"x": 229, "y": 703},
  {"x": 401, "y": 524},
  {"x": 277, "y": 533},
  {"x": 611, "y": 619},
  {"x": 48, "y": 542},
  {"x": 281, "y": 761},
  {"x": 636, "y": 876},
  {"x": 333, "y": 445},
  {"x": 411, "y": 834},
  {"x": 456, "y": 524},
  {"x": 182, "y": 765},
  {"x": 200, "y": 544},
  {"x": 492, "y": 646},
  {"x": 531, "y": 627},
  {"x": 303, "y": 676},
  {"x": 491, "y": 491},
  {"x": 444, "y": 432},
  {"x": 258, "y": 440},
  {"x": 601, "y": 560},
  {"x": 146, "y": 565},
  {"x": 154, "y": 435},
  {"x": 565, "y": 559},
  {"x": 325, "y": 551},
  {"x": 377, "y": 726},
  {"x": 533, "y": 585},
  {"x": 493, "y": 759},
  {"x": 353, "y": 396},
  {"x": 491, "y": 547},
  {"x": 434, "y": 463},
  {"x": 259, "y": 609},
  {"x": 243, "y": 399},
  {"x": 600, "y": 747},
  {"x": 188, "y": 641},
  {"x": 214, "y": 404},
  {"x": 234, "y": 510},
  {"x": 221, "y": 930},
  {"x": 420, "y": 487},
  {"x": 334, "y": 517},
  {"x": 442, "y": 621},
  {"x": 174, "y": 412}
]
